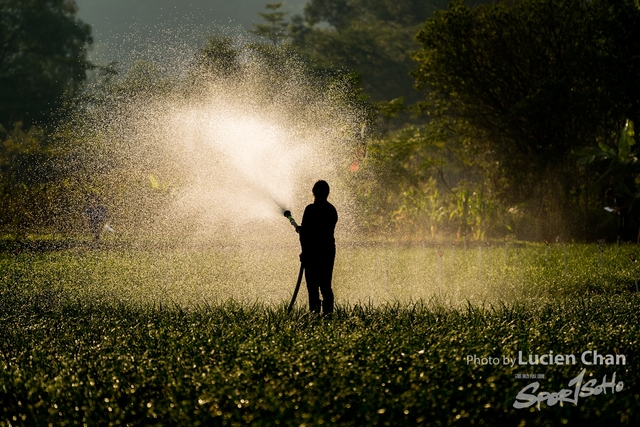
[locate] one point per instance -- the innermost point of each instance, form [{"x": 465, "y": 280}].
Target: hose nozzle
[{"x": 287, "y": 215}]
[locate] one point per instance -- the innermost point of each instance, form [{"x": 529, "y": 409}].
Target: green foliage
[
  {"x": 524, "y": 85},
  {"x": 42, "y": 65},
  {"x": 388, "y": 110},
  {"x": 372, "y": 37},
  {"x": 474, "y": 212},
  {"x": 276, "y": 27},
  {"x": 218, "y": 57},
  {"x": 622, "y": 170},
  {"x": 20, "y": 154},
  {"x": 42, "y": 58},
  {"x": 423, "y": 185},
  {"x": 626, "y": 141},
  {"x": 345, "y": 90},
  {"x": 498, "y": 68},
  {"x": 141, "y": 81},
  {"x": 29, "y": 185},
  {"x": 621, "y": 154}
]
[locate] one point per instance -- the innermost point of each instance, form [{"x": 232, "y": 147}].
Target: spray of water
[
  {"x": 197, "y": 158},
  {"x": 217, "y": 147}
]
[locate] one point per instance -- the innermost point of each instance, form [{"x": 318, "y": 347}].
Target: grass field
[{"x": 192, "y": 334}]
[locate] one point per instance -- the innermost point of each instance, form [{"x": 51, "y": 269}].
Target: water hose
[
  {"x": 295, "y": 292},
  {"x": 287, "y": 215}
]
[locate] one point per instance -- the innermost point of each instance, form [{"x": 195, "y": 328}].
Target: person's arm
[
  {"x": 301, "y": 229},
  {"x": 620, "y": 204}
]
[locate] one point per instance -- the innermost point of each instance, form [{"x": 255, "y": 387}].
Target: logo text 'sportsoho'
[{"x": 526, "y": 398}]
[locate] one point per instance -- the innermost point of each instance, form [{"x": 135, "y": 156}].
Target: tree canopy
[
  {"x": 42, "y": 63},
  {"x": 42, "y": 57},
  {"x": 529, "y": 82},
  {"x": 372, "y": 37},
  {"x": 275, "y": 28}
]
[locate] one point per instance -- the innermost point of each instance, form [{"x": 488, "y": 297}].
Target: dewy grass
[
  {"x": 379, "y": 273},
  {"x": 113, "y": 337}
]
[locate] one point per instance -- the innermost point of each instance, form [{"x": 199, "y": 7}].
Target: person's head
[
  {"x": 320, "y": 190},
  {"x": 610, "y": 193}
]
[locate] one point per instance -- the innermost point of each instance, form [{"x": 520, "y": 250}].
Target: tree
[
  {"x": 42, "y": 57},
  {"x": 42, "y": 63},
  {"x": 371, "y": 37},
  {"x": 217, "y": 57},
  {"x": 276, "y": 27},
  {"x": 526, "y": 83}
]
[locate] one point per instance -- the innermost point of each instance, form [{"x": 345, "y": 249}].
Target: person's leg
[
  {"x": 325, "y": 285},
  {"x": 95, "y": 230},
  {"x": 311, "y": 277},
  {"x": 625, "y": 236},
  {"x": 327, "y": 299}
]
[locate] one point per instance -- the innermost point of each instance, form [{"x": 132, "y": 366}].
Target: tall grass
[
  {"x": 123, "y": 337},
  {"x": 377, "y": 273}
]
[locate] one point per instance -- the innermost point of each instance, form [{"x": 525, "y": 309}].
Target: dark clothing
[
  {"x": 620, "y": 207},
  {"x": 318, "y": 252},
  {"x": 318, "y": 276},
  {"x": 96, "y": 217}
]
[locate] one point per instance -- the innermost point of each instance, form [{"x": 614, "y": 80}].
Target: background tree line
[
  {"x": 527, "y": 87},
  {"x": 521, "y": 112},
  {"x": 523, "y": 115},
  {"x": 43, "y": 65}
]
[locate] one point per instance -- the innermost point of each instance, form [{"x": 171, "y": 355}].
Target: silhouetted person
[
  {"x": 97, "y": 217},
  {"x": 319, "y": 248},
  {"x": 619, "y": 206}
]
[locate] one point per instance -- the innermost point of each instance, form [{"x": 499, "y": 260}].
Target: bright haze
[{"x": 120, "y": 25}]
